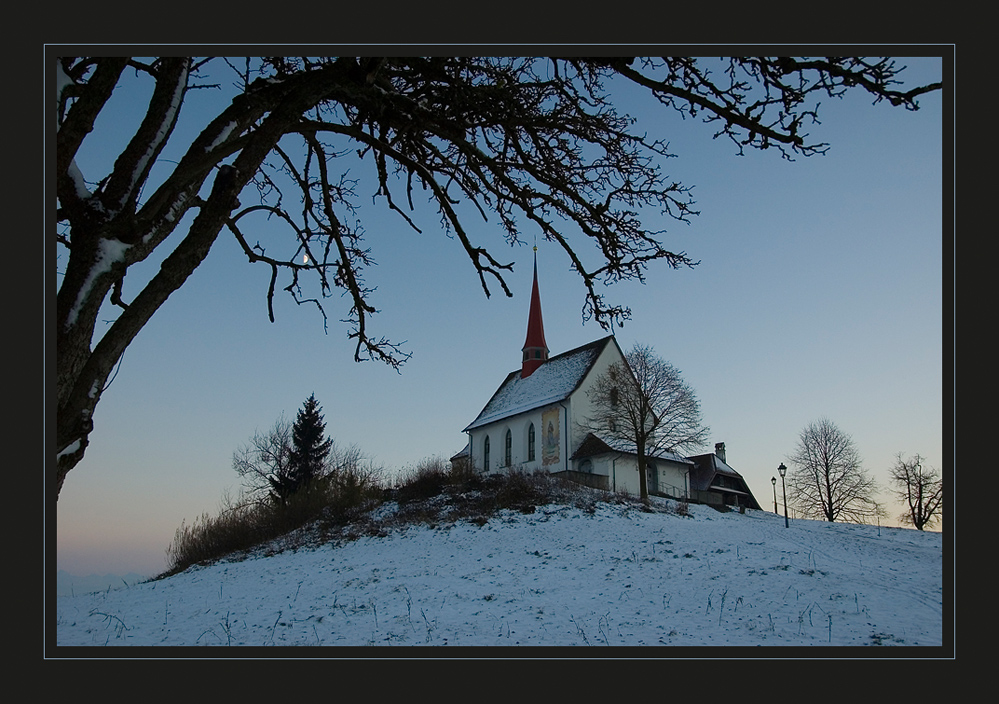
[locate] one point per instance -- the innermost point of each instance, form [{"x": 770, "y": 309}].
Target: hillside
[{"x": 566, "y": 574}]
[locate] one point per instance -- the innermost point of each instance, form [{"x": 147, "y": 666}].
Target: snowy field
[{"x": 558, "y": 577}]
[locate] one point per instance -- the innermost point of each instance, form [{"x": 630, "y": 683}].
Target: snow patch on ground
[{"x": 609, "y": 575}]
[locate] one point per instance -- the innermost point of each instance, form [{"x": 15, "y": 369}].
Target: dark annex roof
[
  {"x": 708, "y": 467},
  {"x": 553, "y": 381},
  {"x": 593, "y": 445}
]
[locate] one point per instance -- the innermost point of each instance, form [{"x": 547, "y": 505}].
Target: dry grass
[{"x": 343, "y": 508}]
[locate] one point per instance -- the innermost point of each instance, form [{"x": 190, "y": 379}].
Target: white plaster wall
[
  {"x": 571, "y": 433},
  {"x": 518, "y": 426},
  {"x": 622, "y": 474},
  {"x": 579, "y": 402},
  {"x": 672, "y": 480}
]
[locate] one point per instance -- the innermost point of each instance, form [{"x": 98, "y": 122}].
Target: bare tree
[
  {"x": 529, "y": 139},
  {"x": 266, "y": 463},
  {"x": 644, "y": 403},
  {"x": 827, "y": 479},
  {"x": 264, "y": 458},
  {"x": 919, "y": 488}
]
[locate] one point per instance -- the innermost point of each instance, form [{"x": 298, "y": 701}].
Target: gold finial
[{"x": 535, "y": 248}]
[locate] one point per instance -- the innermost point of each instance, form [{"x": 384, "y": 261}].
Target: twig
[
  {"x": 275, "y": 625},
  {"x": 581, "y": 633},
  {"x": 227, "y": 628}
]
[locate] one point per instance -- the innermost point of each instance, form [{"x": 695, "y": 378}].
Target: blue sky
[{"x": 820, "y": 292}]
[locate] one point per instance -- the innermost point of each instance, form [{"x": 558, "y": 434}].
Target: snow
[
  {"x": 79, "y": 182},
  {"x": 222, "y": 136},
  {"x": 73, "y": 447},
  {"x": 109, "y": 252},
  {"x": 62, "y": 80},
  {"x": 166, "y": 124},
  {"x": 552, "y": 381},
  {"x": 561, "y": 576}
]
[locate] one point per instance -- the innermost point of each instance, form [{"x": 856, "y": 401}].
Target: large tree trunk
[
  {"x": 106, "y": 241},
  {"x": 643, "y": 482}
]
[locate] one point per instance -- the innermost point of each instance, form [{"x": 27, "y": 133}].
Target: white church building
[{"x": 536, "y": 421}]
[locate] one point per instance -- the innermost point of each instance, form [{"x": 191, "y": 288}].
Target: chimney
[{"x": 720, "y": 450}]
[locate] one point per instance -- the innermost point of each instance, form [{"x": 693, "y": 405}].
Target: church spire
[{"x": 535, "y": 347}]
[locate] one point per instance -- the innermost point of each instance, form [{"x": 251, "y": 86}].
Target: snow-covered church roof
[{"x": 553, "y": 381}]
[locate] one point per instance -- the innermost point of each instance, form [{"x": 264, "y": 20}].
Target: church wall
[
  {"x": 622, "y": 474},
  {"x": 579, "y": 401},
  {"x": 549, "y": 454},
  {"x": 621, "y": 471}
]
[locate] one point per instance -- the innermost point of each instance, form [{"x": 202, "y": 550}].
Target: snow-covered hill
[{"x": 561, "y": 576}]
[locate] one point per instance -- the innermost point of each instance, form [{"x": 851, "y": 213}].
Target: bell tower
[{"x": 535, "y": 348}]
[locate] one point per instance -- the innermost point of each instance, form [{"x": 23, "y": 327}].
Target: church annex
[{"x": 533, "y": 422}]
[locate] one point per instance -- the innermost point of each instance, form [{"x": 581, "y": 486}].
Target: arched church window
[
  {"x": 485, "y": 453},
  {"x": 530, "y": 443},
  {"x": 508, "y": 449}
]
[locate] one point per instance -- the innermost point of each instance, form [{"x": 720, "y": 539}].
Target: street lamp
[
  {"x": 782, "y": 470},
  {"x": 773, "y": 482}
]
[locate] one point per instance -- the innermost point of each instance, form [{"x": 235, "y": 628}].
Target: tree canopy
[
  {"x": 919, "y": 488},
  {"x": 827, "y": 478},
  {"x": 643, "y": 402},
  {"x": 532, "y": 141}
]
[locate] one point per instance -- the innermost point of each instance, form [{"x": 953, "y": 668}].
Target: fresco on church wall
[{"x": 550, "y": 436}]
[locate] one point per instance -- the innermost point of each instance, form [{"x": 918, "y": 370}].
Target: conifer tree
[{"x": 310, "y": 448}]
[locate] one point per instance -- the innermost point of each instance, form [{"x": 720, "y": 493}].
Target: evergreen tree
[{"x": 310, "y": 448}]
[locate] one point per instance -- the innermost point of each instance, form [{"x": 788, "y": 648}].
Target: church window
[
  {"x": 530, "y": 443},
  {"x": 586, "y": 466},
  {"x": 485, "y": 453},
  {"x": 508, "y": 450}
]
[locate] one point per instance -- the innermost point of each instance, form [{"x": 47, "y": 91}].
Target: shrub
[
  {"x": 521, "y": 491},
  {"x": 426, "y": 480},
  {"x": 237, "y": 527},
  {"x": 351, "y": 491},
  {"x": 337, "y": 498}
]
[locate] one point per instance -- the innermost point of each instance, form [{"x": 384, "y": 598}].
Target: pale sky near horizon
[{"x": 819, "y": 293}]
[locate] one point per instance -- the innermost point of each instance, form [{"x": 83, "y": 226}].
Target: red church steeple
[{"x": 535, "y": 347}]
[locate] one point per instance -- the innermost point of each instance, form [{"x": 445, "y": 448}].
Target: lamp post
[
  {"x": 773, "y": 482},
  {"x": 782, "y": 470}
]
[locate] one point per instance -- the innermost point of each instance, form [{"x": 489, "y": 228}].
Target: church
[{"x": 535, "y": 422}]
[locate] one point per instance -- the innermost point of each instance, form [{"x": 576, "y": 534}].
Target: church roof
[
  {"x": 593, "y": 445},
  {"x": 552, "y": 382}
]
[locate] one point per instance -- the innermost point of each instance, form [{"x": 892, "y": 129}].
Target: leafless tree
[
  {"x": 827, "y": 479},
  {"x": 643, "y": 403},
  {"x": 527, "y": 139},
  {"x": 266, "y": 456},
  {"x": 919, "y": 488},
  {"x": 266, "y": 461}
]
